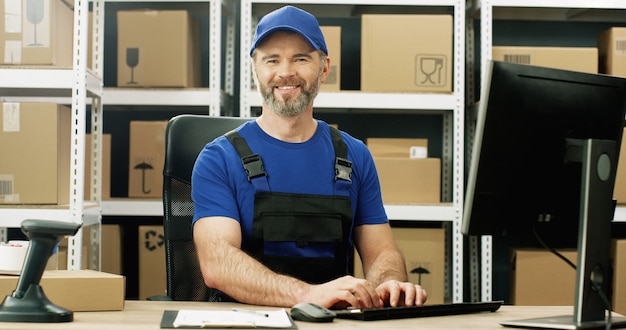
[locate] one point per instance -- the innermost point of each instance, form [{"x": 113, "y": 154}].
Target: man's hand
[
  {"x": 396, "y": 293},
  {"x": 344, "y": 292}
]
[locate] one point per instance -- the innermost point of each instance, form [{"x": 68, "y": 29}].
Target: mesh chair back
[{"x": 185, "y": 136}]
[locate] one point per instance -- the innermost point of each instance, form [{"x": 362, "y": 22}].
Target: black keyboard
[{"x": 402, "y": 312}]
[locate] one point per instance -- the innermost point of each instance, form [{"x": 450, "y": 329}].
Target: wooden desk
[{"x": 140, "y": 315}]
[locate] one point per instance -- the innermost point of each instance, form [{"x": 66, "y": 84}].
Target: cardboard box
[
  {"x": 424, "y": 254},
  {"x": 619, "y": 191},
  {"x": 557, "y": 284},
  {"x": 157, "y": 48},
  {"x": 152, "y": 273},
  {"x": 332, "y": 35},
  {"x": 147, "y": 157},
  {"x": 619, "y": 276},
  {"x": 105, "y": 179},
  {"x": 398, "y": 147},
  {"x": 409, "y": 181},
  {"x": 612, "y": 51},
  {"x": 36, "y": 32},
  {"x": 35, "y": 143},
  {"x": 110, "y": 250},
  {"x": 583, "y": 59},
  {"x": 406, "y": 53},
  {"x": 77, "y": 290}
]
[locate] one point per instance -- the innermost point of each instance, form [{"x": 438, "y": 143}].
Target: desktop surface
[{"x": 140, "y": 315}]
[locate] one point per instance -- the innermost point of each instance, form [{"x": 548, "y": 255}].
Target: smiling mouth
[{"x": 286, "y": 87}]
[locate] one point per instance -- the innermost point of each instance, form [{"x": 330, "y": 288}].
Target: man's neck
[{"x": 294, "y": 129}]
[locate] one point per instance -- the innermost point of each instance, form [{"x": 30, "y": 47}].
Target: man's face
[{"x": 288, "y": 72}]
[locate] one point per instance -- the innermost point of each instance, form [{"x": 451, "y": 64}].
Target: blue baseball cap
[{"x": 292, "y": 19}]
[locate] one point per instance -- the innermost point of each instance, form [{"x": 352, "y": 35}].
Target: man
[{"x": 281, "y": 202}]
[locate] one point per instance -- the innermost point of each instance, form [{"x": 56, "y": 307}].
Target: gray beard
[{"x": 292, "y": 106}]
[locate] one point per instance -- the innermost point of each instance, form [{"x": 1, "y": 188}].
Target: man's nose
[{"x": 286, "y": 69}]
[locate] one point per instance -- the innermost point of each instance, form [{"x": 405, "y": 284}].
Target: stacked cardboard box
[
  {"x": 36, "y": 32},
  {"x": 424, "y": 255},
  {"x": 77, "y": 290},
  {"x": 406, "y": 175},
  {"x": 583, "y": 59},
  {"x": 157, "y": 48},
  {"x": 147, "y": 156},
  {"x": 35, "y": 143},
  {"x": 152, "y": 273},
  {"x": 540, "y": 278},
  {"x": 612, "y": 49},
  {"x": 332, "y": 35},
  {"x": 406, "y": 53}
]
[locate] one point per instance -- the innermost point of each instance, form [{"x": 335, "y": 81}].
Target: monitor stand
[
  {"x": 28, "y": 303},
  {"x": 599, "y": 163}
]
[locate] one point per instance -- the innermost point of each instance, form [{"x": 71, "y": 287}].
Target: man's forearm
[
  {"x": 247, "y": 280},
  {"x": 389, "y": 265}
]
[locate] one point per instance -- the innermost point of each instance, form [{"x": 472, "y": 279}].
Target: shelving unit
[
  {"x": 529, "y": 10},
  {"x": 215, "y": 99},
  {"x": 450, "y": 106},
  {"x": 78, "y": 86},
  {"x": 214, "y": 96}
]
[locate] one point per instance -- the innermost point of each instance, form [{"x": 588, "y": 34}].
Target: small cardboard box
[
  {"x": 147, "y": 157},
  {"x": 409, "y": 180},
  {"x": 424, "y": 254},
  {"x": 556, "y": 287},
  {"x": 157, "y": 48},
  {"x": 583, "y": 59},
  {"x": 152, "y": 273},
  {"x": 398, "y": 147},
  {"x": 105, "y": 179},
  {"x": 619, "y": 276},
  {"x": 77, "y": 290},
  {"x": 406, "y": 53},
  {"x": 612, "y": 51},
  {"x": 332, "y": 35},
  {"x": 36, "y": 32},
  {"x": 35, "y": 143}
]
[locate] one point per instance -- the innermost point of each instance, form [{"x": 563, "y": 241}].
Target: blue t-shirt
[{"x": 220, "y": 186}]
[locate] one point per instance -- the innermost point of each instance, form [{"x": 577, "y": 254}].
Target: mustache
[{"x": 288, "y": 82}]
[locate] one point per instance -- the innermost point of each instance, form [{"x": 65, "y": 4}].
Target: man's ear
[{"x": 325, "y": 69}]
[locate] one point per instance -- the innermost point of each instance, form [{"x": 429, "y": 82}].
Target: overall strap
[
  {"x": 343, "y": 167},
  {"x": 252, "y": 163}
]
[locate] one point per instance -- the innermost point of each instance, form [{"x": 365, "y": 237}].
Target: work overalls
[{"x": 305, "y": 219}]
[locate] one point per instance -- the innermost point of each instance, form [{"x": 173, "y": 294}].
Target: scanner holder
[{"x": 28, "y": 303}]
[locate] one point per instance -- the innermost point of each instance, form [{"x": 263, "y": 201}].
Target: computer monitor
[{"x": 543, "y": 169}]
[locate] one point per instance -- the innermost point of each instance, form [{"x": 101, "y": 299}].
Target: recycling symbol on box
[{"x": 153, "y": 240}]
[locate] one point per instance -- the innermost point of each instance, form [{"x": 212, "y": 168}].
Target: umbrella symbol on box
[
  {"x": 143, "y": 166},
  {"x": 419, "y": 271}
]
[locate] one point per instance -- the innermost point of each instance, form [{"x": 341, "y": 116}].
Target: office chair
[{"x": 185, "y": 137}]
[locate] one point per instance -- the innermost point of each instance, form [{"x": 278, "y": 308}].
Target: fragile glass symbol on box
[
  {"x": 430, "y": 70},
  {"x": 35, "y": 15},
  {"x": 132, "y": 60}
]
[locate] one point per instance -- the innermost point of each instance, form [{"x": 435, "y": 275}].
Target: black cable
[{"x": 551, "y": 249}]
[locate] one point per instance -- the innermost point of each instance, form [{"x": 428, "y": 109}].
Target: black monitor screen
[
  {"x": 542, "y": 173},
  {"x": 519, "y": 180}
]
